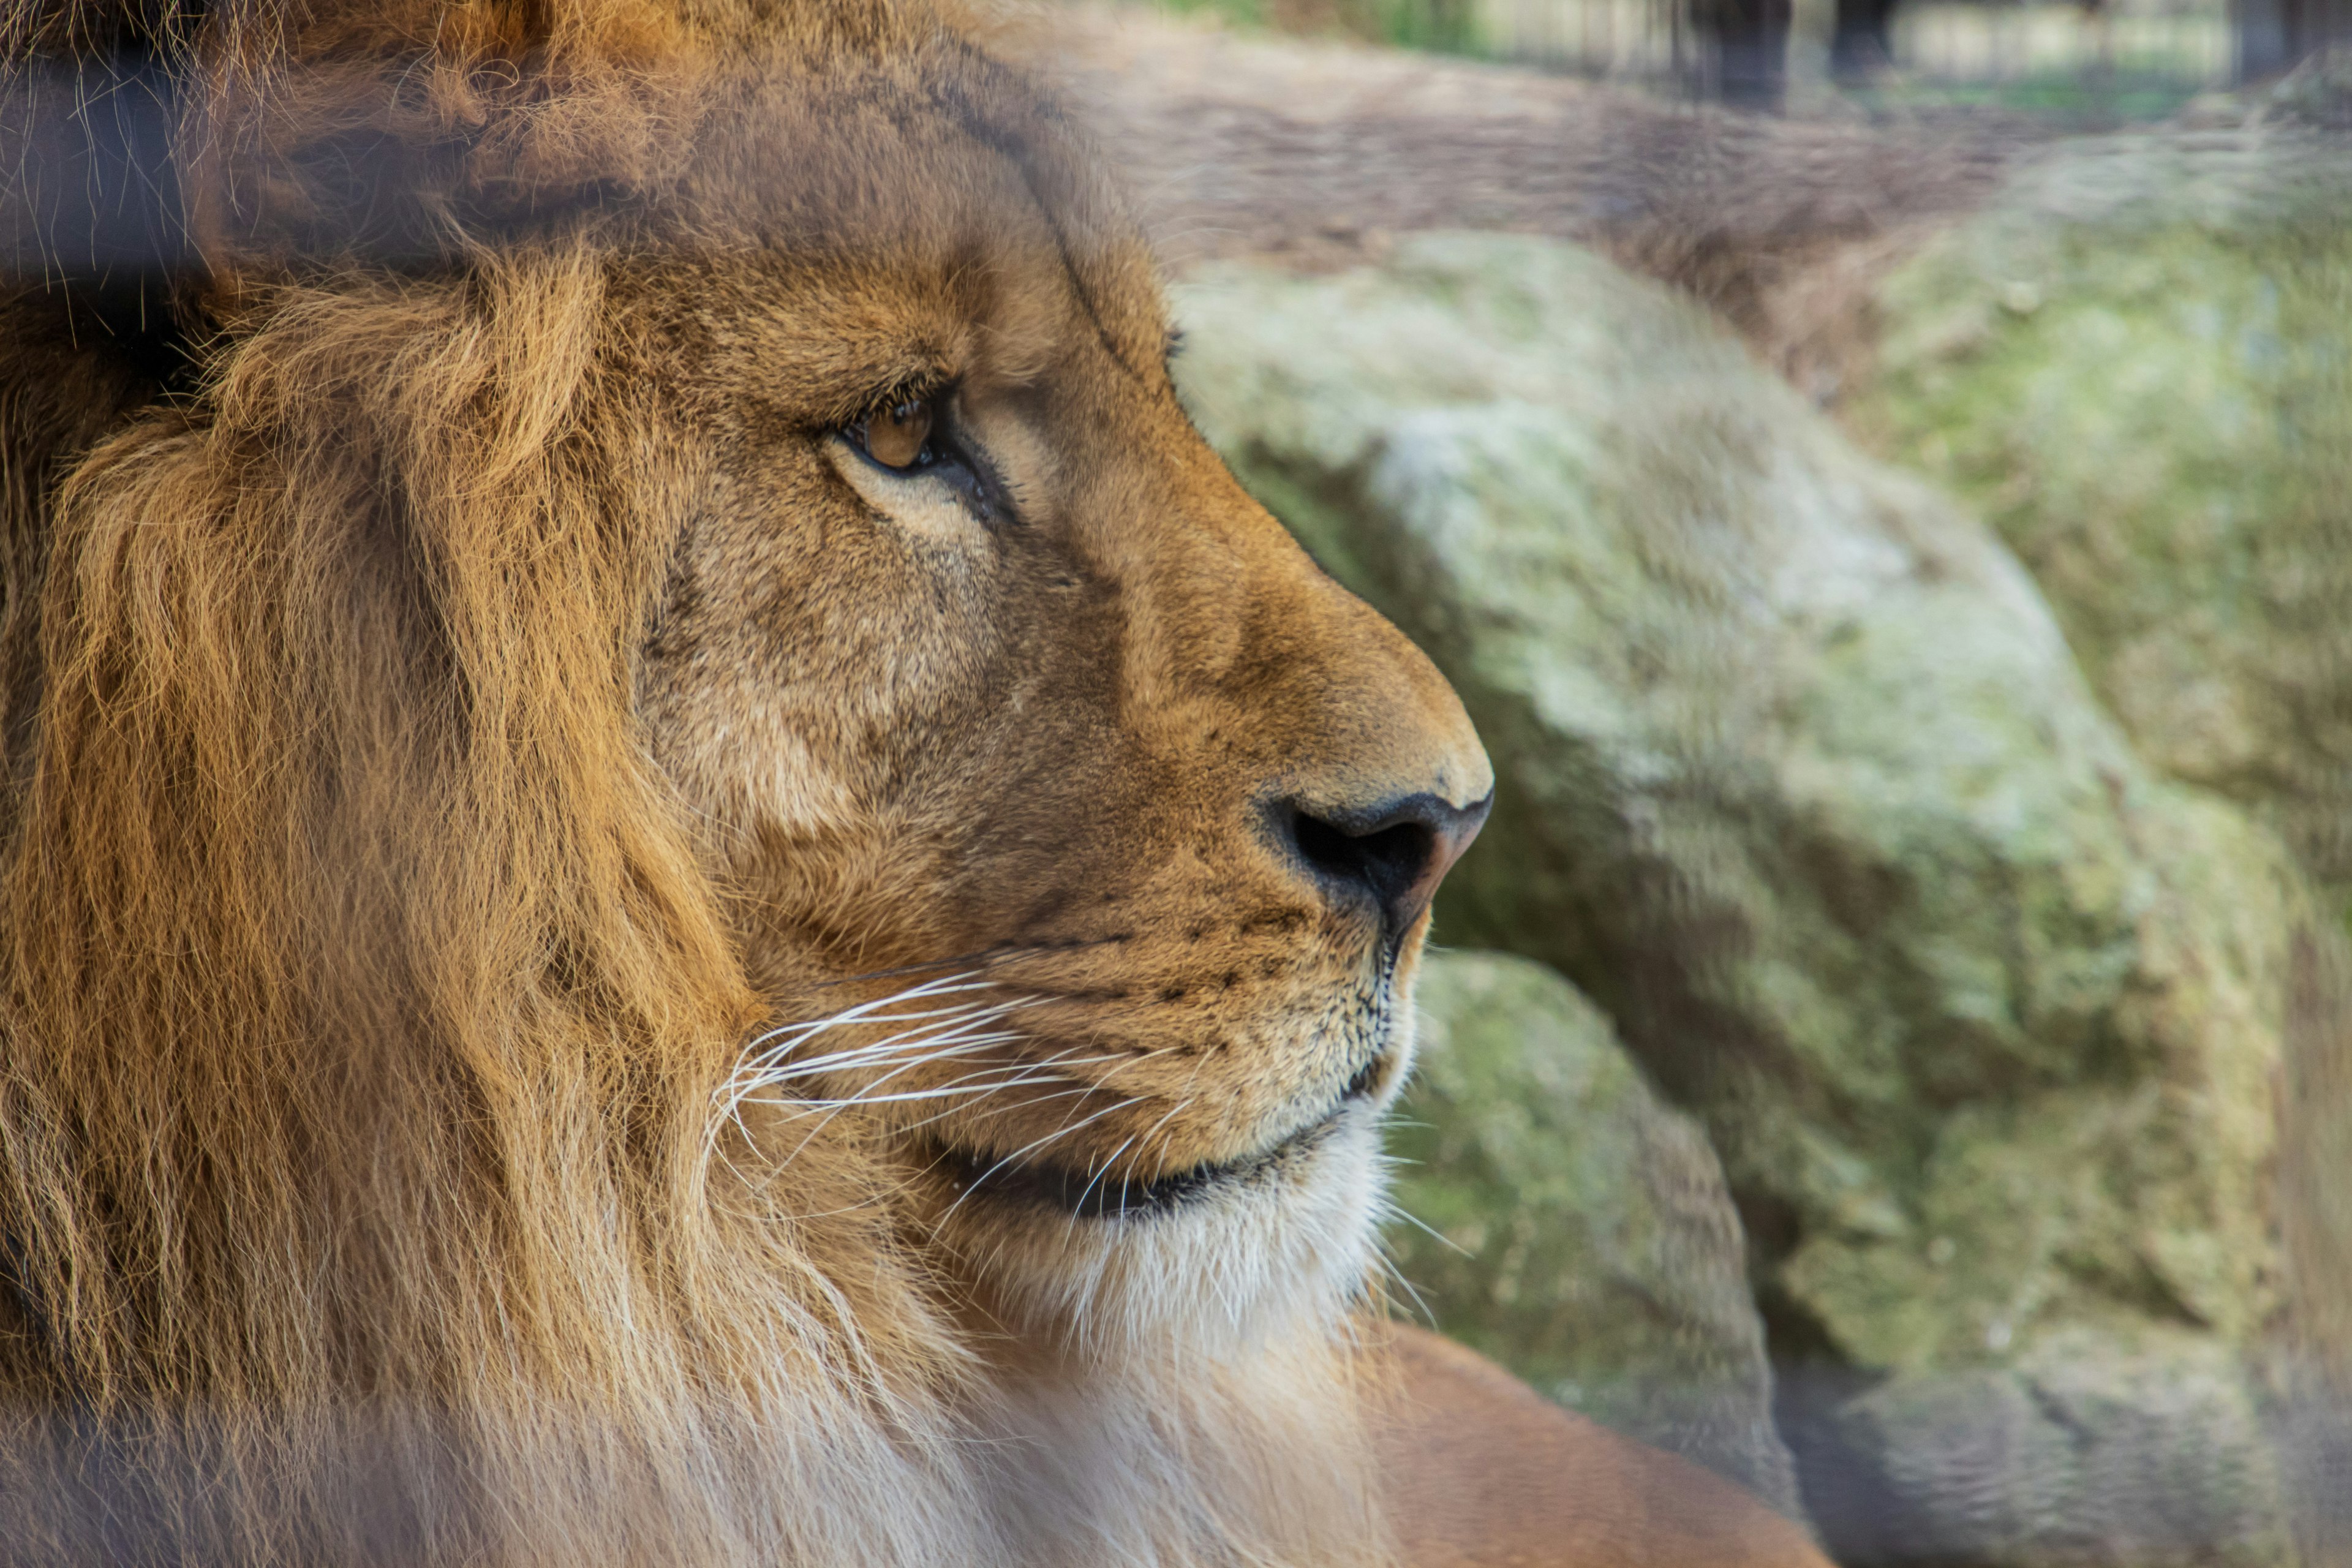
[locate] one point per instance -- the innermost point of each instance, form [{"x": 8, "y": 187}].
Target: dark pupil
[{"x": 895, "y": 435}]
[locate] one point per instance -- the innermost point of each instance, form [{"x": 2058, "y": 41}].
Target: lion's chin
[{"x": 1214, "y": 1259}]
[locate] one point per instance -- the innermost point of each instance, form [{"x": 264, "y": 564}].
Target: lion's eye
[
  {"x": 918, "y": 436},
  {"x": 896, "y": 438}
]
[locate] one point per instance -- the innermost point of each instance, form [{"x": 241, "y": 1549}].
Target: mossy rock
[
  {"x": 2137, "y": 365},
  {"x": 1800, "y": 782}
]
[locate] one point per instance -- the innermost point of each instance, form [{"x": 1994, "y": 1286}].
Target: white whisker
[
  {"x": 1030, "y": 1147},
  {"x": 780, "y": 1059},
  {"x": 940, "y": 1034},
  {"x": 1391, "y": 1209},
  {"x": 1102, "y": 1171},
  {"x": 1180, "y": 1107},
  {"x": 1420, "y": 1303}
]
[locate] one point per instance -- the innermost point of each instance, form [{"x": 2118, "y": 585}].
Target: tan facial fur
[{"x": 1038, "y": 763}]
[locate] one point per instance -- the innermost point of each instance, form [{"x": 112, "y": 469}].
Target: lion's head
[{"x": 688, "y": 882}]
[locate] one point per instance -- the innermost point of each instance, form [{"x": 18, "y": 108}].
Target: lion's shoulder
[{"x": 1480, "y": 1472}]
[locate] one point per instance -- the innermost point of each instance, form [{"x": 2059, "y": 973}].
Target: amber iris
[{"x": 896, "y": 437}]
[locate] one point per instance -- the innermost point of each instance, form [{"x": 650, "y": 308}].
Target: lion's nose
[{"x": 1390, "y": 855}]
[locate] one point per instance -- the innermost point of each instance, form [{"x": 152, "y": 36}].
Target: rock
[
  {"x": 1799, "y": 779},
  {"x": 2166, "y": 439},
  {"x": 2138, "y": 364},
  {"x": 2079, "y": 1453},
  {"x": 2316, "y": 94},
  {"x": 1577, "y": 1228}
]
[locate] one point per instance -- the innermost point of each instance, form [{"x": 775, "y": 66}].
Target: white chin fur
[{"x": 1218, "y": 1272}]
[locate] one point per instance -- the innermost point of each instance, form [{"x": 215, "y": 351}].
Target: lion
[{"x": 684, "y": 881}]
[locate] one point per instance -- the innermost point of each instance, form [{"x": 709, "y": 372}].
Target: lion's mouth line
[{"x": 1081, "y": 1194}]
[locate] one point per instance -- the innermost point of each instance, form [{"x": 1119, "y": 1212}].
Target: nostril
[
  {"x": 1393, "y": 855},
  {"x": 1385, "y": 862}
]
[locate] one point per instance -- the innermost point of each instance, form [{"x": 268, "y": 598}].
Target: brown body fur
[{"x": 578, "y": 949}]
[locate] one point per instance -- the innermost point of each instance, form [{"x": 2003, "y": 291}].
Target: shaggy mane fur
[{"x": 367, "y": 1004}]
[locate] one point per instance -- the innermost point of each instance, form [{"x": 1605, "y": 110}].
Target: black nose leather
[{"x": 1390, "y": 856}]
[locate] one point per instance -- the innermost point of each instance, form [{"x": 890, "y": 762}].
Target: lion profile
[{"x": 685, "y": 884}]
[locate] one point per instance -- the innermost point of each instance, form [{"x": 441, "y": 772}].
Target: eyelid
[
  {"x": 982, "y": 490},
  {"x": 936, "y": 390}
]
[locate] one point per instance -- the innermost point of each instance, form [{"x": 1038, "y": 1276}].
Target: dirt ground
[{"x": 1318, "y": 151}]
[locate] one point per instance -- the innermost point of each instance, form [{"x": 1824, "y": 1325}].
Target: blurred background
[
  {"x": 1881, "y": 476},
  {"x": 2106, "y": 57}
]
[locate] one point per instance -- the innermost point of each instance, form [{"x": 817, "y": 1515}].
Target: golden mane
[
  {"x": 366, "y": 1002},
  {"x": 336, "y": 838}
]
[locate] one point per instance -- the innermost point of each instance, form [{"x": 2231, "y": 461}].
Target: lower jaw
[
  {"x": 1093, "y": 1196},
  {"x": 1248, "y": 1256}
]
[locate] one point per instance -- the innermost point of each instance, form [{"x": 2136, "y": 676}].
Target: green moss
[{"x": 2149, "y": 395}]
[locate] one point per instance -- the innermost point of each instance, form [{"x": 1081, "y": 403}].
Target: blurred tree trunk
[
  {"x": 1741, "y": 50},
  {"x": 1861, "y": 43},
  {"x": 2275, "y": 36}
]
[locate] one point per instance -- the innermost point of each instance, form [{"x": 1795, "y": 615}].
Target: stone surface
[
  {"x": 2138, "y": 364},
  {"x": 1800, "y": 782},
  {"x": 2079, "y": 1453},
  {"x": 1569, "y": 1223}
]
